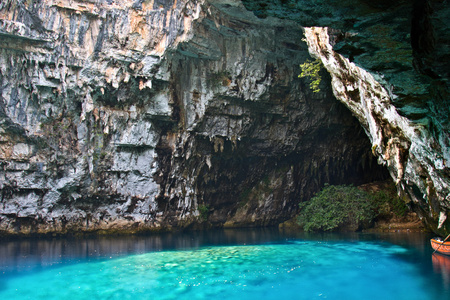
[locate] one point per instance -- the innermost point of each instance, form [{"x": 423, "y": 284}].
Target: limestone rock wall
[
  {"x": 147, "y": 115},
  {"x": 389, "y": 62},
  {"x": 76, "y": 104},
  {"x": 415, "y": 159}
]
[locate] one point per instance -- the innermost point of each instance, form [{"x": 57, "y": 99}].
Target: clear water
[{"x": 237, "y": 264}]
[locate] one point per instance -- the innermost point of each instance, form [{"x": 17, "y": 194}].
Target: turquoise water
[{"x": 274, "y": 267}]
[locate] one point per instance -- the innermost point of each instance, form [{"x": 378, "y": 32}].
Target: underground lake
[{"x": 226, "y": 264}]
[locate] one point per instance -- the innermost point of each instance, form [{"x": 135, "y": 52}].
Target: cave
[{"x": 191, "y": 114}]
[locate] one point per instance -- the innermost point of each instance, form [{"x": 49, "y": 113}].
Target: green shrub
[
  {"x": 347, "y": 207},
  {"x": 337, "y": 207},
  {"x": 204, "y": 211},
  {"x": 388, "y": 203},
  {"x": 312, "y": 69}
]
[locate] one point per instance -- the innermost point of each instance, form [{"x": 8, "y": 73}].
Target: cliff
[
  {"x": 389, "y": 63},
  {"x": 147, "y": 115}
]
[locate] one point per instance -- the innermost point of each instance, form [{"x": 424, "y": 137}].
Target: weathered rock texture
[
  {"x": 142, "y": 115},
  {"x": 390, "y": 64},
  {"x": 135, "y": 115}
]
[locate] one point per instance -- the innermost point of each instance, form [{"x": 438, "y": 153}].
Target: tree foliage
[
  {"x": 311, "y": 69},
  {"x": 344, "y": 207}
]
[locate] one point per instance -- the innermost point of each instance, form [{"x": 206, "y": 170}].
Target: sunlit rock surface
[{"x": 145, "y": 115}]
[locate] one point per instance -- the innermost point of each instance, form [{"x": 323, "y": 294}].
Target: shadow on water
[{"x": 34, "y": 255}]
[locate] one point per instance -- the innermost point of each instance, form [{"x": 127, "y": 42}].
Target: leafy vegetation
[
  {"x": 312, "y": 69},
  {"x": 344, "y": 207},
  {"x": 388, "y": 203},
  {"x": 204, "y": 211}
]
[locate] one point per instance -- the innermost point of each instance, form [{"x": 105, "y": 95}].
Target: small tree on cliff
[{"x": 311, "y": 69}]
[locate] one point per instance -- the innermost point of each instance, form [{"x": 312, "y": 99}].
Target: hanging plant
[{"x": 311, "y": 69}]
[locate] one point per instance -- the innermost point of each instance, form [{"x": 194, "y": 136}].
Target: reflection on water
[
  {"x": 441, "y": 266},
  {"x": 20, "y": 257},
  {"x": 26, "y": 254},
  {"x": 23, "y": 255}
]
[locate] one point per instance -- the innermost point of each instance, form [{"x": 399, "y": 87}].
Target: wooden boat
[{"x": 440, "y": 246}]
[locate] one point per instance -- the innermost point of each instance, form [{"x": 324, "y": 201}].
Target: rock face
[
  {"x": 414, "y": 158},
  {"x": 141, "y": 115},
  {"x": 145, "y": 115},
  {"x": 389, "y": 62}
]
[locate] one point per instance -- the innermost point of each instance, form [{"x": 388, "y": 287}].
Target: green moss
[
  {"x": 374, "y": 149},
  {"x": 244, "y": 196},
  {"x": 265, "y": 185},
  {"x": 222, "y": 78},
  {"x": 103, "y": 155}
]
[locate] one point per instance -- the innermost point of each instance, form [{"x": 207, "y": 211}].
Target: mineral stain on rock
[{"x": 131, "y": 116}]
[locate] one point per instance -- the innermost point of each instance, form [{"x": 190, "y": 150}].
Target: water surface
[{"x": 226, "y": 264}]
